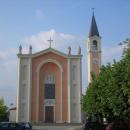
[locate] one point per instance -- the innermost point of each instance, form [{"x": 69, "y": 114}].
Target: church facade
[
  {"x": 49, "y": 88},
  {"x": 50, "y": 82}
]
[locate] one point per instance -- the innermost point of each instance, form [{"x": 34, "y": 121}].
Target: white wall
[
  {"x": 75, "y": 90},
  {"x": 24, "y": 87},
  {"x": 12, "y": 115}
]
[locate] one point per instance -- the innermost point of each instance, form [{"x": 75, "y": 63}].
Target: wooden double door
[{"x": 49, "y": 114}]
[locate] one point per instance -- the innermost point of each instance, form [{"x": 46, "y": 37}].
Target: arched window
[
  {"x": 49, "y": 84},
  {"x": 94, "y": 45}
]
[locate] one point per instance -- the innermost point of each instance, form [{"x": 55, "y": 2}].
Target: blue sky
[{"x": 32, "y": 22}]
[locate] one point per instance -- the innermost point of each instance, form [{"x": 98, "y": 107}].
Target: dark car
[
  {"x": 10, "y": 126},
  {"x": 118, "y": 125},
  {"x": 26, "y": 125},
  {"x": 94, "y": 126}
]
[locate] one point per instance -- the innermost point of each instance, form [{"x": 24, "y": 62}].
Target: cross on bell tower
[
  {"x": 93, "y": 10},
  {"x": 50, "y": 41}
]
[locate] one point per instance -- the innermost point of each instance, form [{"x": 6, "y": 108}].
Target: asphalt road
[{"x": 55, "y": 127}]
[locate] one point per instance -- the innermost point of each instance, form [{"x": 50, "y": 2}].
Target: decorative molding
[
  {"x": 38, "y": 72},
  {"x": 49, "y": 102},
  {"x": 47, "y": 51},
  {"x": 18, "y": 91},
  {"x": 30, "y": 89},
  {"x": 47, "y": 61},
  {"x": 69, "y": 86}
]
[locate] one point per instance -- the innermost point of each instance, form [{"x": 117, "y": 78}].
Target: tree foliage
[
  {"x": 3, "y": 111},
  {"x": 108, "y": 95}
]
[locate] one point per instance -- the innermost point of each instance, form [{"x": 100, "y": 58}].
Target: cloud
[
  {"x": 61, "y": 41},
  {"x": 2, "y": 55},
  {"x": 8, "y": 74},
  {"x": 39, "y": 14},
  {"x": 7, "y": 58},
  {"x": 3, "y": 58},
  {"x": 111, "y": 53}
]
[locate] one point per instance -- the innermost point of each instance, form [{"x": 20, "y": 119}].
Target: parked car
[
  {"x": 118, "y": 125},
  {"x": 94, "y": 126},
  {"x": 26, "y": 125},
  {"x": 11, "y": 126}
]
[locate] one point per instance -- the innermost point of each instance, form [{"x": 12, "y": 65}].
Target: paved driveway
[{"x": 55, "y": 127}]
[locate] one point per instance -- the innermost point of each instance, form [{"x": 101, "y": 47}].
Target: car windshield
[
  {"x": 12, "y": 125},
  {"x": 3, "y": 125},
  {"x": 24, "y": 124},
  {"x": 27, "y": 125}
]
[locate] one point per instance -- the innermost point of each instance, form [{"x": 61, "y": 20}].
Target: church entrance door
[{"x": 49, "y": 114}]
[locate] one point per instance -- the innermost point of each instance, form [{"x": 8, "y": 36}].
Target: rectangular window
[
  {"x": 74, "y": 91},
  {"x": 24, "y": 91},
  {"x": 74, "y": 72},
  {"x": 49, "y": 91},
  {"x": 24, "y": 72}
]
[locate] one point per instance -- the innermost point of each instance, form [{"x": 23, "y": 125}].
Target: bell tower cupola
[{"x": 93, "y": 49}]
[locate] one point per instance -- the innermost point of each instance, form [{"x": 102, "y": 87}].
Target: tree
[
  {"x": 108, "y": 95},
  {"x": 3, "y": 111}
]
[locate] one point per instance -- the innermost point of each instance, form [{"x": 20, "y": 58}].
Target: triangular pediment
[{"x": 48, "y": 50}]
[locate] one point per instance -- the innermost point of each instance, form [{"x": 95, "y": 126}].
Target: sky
[{"x": 33, "y": 22}]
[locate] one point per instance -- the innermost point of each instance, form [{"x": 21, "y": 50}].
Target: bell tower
[{"x": 93, "y": 50}]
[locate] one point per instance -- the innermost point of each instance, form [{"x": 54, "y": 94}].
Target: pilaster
[{"x": 69, "y": 85}]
